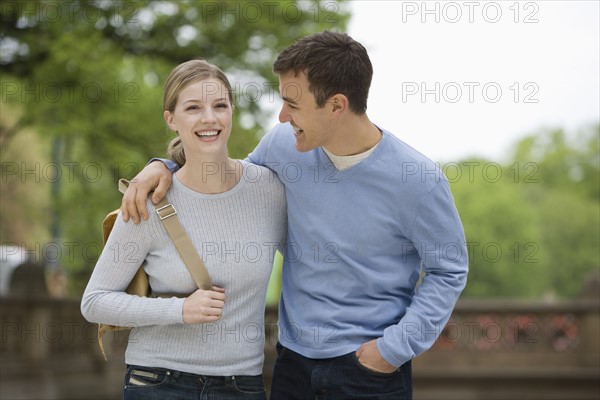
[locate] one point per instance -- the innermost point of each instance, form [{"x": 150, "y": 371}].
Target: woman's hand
[{"x": 204, "y": 306}]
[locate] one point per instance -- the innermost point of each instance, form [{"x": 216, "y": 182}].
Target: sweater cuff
[
  {"x": 170, "y": 164},
  {"x": 388, "y": 355},
  {"x": 178, "y": 310},
  {"x": 168, "y": 311}
]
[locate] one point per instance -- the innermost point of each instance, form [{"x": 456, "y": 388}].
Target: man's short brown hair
[{"x": 333, "y": 63}]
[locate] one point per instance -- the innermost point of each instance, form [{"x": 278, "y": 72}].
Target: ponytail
[{"x": 175, "y": 151}]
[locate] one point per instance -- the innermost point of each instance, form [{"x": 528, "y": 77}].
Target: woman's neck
[{"x": 211, "y": 177}]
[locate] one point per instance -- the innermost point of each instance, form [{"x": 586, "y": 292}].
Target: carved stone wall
[{"x": 493, "y": 349}]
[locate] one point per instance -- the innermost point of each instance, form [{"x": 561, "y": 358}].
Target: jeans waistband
[{"x": 175, "y": 374}]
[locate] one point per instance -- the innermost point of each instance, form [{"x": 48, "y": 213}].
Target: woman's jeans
[{"x": 144, "y": 383}]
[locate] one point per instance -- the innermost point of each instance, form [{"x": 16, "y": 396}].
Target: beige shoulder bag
[{"x": 139, "y": 284}]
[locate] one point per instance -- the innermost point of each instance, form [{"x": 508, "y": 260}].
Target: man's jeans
[
  {"x": 143, "y": 383},
  {"x": 340, "y": 378}
]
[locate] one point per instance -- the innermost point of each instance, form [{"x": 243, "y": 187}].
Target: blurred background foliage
[
  {"x": 82, "y": 97},
  {"x": 81, "y": 108},
  {"x": 532, "y": 222}
]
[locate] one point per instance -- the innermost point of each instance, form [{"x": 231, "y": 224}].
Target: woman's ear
[{"x": 170, "y": 120}]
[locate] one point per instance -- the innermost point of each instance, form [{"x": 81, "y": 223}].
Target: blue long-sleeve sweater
[{"x": 357, "y": 242}]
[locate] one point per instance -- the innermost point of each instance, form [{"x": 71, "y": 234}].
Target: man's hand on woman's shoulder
[{"x": 154, "y": 177}]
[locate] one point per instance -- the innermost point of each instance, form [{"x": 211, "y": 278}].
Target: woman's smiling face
[{"x": 202, "y": 117}]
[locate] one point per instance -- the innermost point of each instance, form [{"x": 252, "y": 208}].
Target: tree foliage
[
  {"x": 81, "y": 107},
  {"x": 567, "y": 201},
  {"x": 532, "y": 225},
  {"x": 87, "y": 77}
]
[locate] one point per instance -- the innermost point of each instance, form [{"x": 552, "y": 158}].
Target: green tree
[
  {"x": 565, "y": 162},
  {"x": 567, "y": 203},
  {"x": 87, "y": 76},
  {"x": 501, "y": 230},
  {"x": 532, "y": 225}
]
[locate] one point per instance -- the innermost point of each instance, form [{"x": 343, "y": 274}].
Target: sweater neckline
[
  {"x": 177, "y": 185},
  {"x": 357, "y": 168}
]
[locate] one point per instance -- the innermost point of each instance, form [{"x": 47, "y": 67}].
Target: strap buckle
[{"x": 169, "y": 211}]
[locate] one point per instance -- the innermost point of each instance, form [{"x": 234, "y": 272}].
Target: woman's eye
[
  {"x": 191, "y": 108},
  {"x": 222, "y": 105}
]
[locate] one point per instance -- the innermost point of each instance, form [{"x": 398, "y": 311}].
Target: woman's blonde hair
[{"x": 181, "y": 77}]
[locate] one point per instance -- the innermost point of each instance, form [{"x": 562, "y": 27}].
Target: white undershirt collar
[{"x": 345, "y": 162}]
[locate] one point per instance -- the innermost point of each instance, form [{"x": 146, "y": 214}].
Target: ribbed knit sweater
[{"x": 236, "y": 233}]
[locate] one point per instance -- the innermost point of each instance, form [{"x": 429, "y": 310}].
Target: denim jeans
[
  {"x": 144, "y": 383},
  {"x": 296, "y": 377}
]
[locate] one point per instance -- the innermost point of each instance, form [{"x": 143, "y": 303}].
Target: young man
[{"x": 367, "y": 214}]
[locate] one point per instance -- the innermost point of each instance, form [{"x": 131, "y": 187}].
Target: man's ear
[
  {"x": 338, "y": 103},
  {"x": 170, "y": 121}
]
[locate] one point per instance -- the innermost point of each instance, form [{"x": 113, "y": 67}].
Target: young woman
[{"x": 206, "y": 343}]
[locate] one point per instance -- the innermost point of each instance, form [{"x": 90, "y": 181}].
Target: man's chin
[{"x": 303, "y": 148}]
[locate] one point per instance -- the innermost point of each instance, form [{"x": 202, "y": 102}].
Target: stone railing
[
  {"x": 489, "y": 350},
  {"x": 514, "y": 350}
]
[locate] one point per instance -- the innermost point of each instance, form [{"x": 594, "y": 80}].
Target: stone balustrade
[{"x": 490, "y": 349}]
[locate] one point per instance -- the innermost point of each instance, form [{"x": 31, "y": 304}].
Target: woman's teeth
[{"x": 206, "y": 134}]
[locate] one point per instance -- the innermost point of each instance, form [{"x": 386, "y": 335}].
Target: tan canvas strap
[{"x": 168, "y": 215}]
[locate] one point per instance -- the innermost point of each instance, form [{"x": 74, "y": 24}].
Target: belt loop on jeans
[{"x": 174, "y": 375}]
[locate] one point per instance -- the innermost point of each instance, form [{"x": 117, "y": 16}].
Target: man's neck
[{"x": 356, "y": 135}]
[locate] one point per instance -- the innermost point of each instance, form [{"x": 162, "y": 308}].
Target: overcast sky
[{"x": 455, "y": 79}]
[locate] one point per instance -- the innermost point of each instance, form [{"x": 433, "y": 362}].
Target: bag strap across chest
[{"x": 168, "y": 215}]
